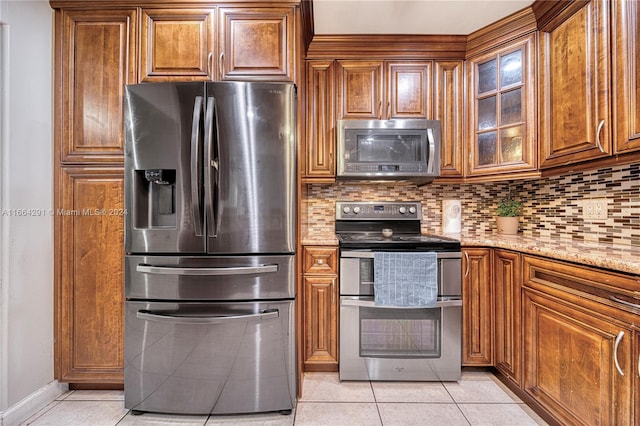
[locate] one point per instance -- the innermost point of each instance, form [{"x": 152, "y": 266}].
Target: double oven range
[{"x": 382, "y": 342}]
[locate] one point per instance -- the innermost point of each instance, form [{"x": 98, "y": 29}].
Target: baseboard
[{"x": 30, "y": 405}]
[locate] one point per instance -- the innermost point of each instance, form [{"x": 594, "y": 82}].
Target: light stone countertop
[{"x": 619, "y": 258}]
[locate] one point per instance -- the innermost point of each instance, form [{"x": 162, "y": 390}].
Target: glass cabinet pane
[
  {"x": 511, "y": 144},
  {"x": 487, "y": 113},
  {"x": 487, "y": 148},
  {"x": 511, "y": 69},
  {"x": 511, "y": 107},
  {"x": 487, "y": 76}
]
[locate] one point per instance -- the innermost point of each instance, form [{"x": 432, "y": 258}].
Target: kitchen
[{"x": 552, "y": 208}]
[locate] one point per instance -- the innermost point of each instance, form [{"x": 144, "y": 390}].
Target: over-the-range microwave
[{"x": 399, "y": 149}]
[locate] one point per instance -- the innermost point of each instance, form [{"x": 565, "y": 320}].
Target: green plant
[{"x": 509, "y": 208}]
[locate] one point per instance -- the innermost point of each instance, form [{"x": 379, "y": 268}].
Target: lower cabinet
[
  {"x": 507, "y": 292},
  {"x": 320, "y": 304},
  {"x": 477, "y": 319},
  {"x": 578, "y": 346}
]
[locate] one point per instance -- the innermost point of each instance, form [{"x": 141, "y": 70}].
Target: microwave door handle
[
  {"x": 196, "y": 169},
  {"x": 183, "y": 319},
  {"x": 432, "y": 150}
]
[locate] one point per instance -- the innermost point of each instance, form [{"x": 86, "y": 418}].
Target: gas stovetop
[{"x": 359, "y": 226}]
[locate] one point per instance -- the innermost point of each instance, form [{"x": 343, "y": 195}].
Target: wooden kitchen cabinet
[
  {"x": 320, "y": 160},
  {"x": 574, "y": 80},
  {"x": 320, "y": 304},
  {"x": 177, "y": 44},
  {"x": 577, "y": 343},
  {"x": 626, "y": 75},
  {"x": 95, "y": 58},
  {"x": 635, "y": 372},
  {"x": 477, "y": 311},
  {"x": 89, "y": 324},
  {"x": 507, "y": 293},
  {"x": 257, "y": 43},
  {"x": 501, "y": 125},
  {"x": 370, "y": 89},
  {"x": 449, "y": 110}
]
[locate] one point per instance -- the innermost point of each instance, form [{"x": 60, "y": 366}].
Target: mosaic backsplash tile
[{"x": 552, "y": 206}]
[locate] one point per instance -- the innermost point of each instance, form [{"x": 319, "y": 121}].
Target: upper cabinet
[
  {"x": 257, "y": 44},
  {"x": 320, "y": 161},
  {"x": 384, "y": 89},
  {"x": 97, "y": 58},
  {"x": 626, "y": 76},
  {"x": 501, "y": 133},
  {"x": 574, "y": 77},
  {"x": 448, "y": 94},
  {"x": 177, "y": 44}
]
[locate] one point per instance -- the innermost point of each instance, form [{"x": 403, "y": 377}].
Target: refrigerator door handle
[
  {"x": 237, "y": 270},
  {"x": 196, "y": 166},
  {"x": 212, "y": 174},
  {"x": 180, "y": 319}
]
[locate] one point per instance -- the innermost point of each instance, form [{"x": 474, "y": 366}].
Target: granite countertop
[{"x": 619, "y": 258}]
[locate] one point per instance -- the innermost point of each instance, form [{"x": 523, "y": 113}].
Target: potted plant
[{"x": 508, "y": 213}]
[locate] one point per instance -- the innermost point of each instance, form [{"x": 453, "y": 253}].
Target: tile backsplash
[{"x": 552, "y": 206}]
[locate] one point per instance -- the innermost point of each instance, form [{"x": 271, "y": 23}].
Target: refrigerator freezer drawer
[
  {"x": 210, "y": 358},
  {"x": 209, "y": 277}
]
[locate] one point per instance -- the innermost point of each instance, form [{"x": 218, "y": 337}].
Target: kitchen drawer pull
[
  {"x": 598, "y": 131},
  {"x": 372, "y": 304},
  {"x": 624, "y": 302},
  {"x": 221, "y": 65},
  {"x": 179, "y": 319},
  {"x": 238, "y": 270},
  {"x": 209, "y": 65},
  {"x": 615, "y": 352}
]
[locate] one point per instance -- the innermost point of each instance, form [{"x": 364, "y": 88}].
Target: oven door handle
[
  {"x": 371, "y": 254},
  {"x": 449, "y": 302},
  {"x": 183, "y": 319}
]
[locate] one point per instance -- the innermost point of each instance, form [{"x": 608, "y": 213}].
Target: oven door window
[{"x": 400, "y": 333}]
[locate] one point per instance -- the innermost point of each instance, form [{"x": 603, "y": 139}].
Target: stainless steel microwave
[{"x": 403, "y": 149}]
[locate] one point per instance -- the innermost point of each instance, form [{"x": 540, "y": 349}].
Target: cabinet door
[
  {"x": 502, "y": 110},
  {"x": 257, "y": 44},
  {"x": 574, "y": 87},
  {"x": 570, "y": 358},
  {"x": 626, "y": 73},
  {"x": 477, "y": 315},
  {"x": 320, "y": 142},
  {"x": 449, "y": 99},
  {"x": 360, "y": 89},
  {"x": 176, "y": 44},
  {"x": 98, "y": 58},
  {"x": 507, "y": 302},
  {"x": 90, "y": 283},
  {"x": 320, "y": 323},
  {"x": 408, "y": 90}
]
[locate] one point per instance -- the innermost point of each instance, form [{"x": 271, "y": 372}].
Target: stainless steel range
[{"x": 387, "y": 341}]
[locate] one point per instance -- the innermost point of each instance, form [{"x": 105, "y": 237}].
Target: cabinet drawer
[{"x": 321, "y": 260}]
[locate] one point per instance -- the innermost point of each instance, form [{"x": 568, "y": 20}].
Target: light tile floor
[{"x": 478, "y": 399}]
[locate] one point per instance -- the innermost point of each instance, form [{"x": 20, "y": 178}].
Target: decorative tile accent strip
[{"x": 552, "y": 206}]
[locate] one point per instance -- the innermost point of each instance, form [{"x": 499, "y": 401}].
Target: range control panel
[{"x": 353, "y": 210}]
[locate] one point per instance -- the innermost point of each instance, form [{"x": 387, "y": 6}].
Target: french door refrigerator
[{"x": 210, "y": 193}]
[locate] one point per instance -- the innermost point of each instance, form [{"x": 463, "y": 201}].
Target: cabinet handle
[
  {"x": 615, "y": 352},
  {"x": 624, "y": 302},
  {"x": 466, "y": 258},
  {"x": 598, "y": 131},
  {"x": 638, "y": 365},
  {"x": 221, "y": 65},
  {"x": 379, "y": 110},
  {"x": 388, "y": 109},
  {"x": 209, "y": 63}
]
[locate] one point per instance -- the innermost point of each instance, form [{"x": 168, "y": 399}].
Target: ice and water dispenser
[{"x": 155, "y": 198}]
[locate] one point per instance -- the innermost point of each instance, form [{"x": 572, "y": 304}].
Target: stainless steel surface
[
  {"x": 209, "y": 277},
  {"x": 373, "y": 210},
  {"x": 245, "y": 179},
  {"x": 369, "y": 303},
  {"x": 237, "y": 366},
  {"x": 421, "y": 170},
  {"x": 446, "y": 367}
]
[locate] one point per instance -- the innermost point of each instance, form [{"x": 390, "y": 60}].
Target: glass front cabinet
[{"x": 501, "y": 136}]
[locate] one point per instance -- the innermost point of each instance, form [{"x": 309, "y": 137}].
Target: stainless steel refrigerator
[{"x": 210, "y": 193}]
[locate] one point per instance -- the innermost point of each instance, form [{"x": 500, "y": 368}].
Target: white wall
[{"x": 26, "y": 237}]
